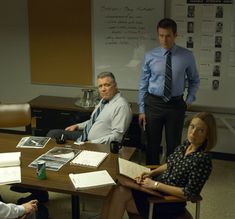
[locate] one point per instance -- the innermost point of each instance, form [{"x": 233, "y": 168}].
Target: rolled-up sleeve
[{"x": 11, "y": 210}]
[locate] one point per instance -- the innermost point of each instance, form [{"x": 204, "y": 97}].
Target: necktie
[
  {"x": 168, "y": 78},
  {"x": 92, "y": 120}
]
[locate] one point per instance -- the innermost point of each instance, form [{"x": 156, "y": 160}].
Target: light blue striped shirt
[{"x": 153, "y": 74}]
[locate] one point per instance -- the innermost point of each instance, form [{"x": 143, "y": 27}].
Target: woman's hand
[
  {"x": 148, "y": 183},
  {"x": 143, "y": 176}
]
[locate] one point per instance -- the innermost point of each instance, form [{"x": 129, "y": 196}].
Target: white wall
[
  {"x": 15, "y": 82},
  {"x": 15, "y": 77}
]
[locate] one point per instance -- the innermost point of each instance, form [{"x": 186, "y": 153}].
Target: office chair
[
  {"x": 173, "y": 199},
  {"x": 15, "y": 115}
]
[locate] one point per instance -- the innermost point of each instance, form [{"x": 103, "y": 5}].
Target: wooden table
[{"x": 58, "y": 181}]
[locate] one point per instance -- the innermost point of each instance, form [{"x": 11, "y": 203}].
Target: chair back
[
  {"x": 15, "y": 115},
  {"x": 173, "y": 199}
]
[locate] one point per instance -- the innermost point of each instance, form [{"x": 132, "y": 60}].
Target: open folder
[
  {"x": 131, "y": 169},
  {"x": 10, "y": 171},
  {"x": 128, "y": 171}
]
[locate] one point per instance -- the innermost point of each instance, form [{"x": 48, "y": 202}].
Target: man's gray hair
[{"x": 107, "y": 74}]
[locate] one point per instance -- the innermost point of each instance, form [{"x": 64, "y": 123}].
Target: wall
[
  {"x": 204, "y": 35},
  {"x": 15, "y": 83},
  {"x": 122, "y": 32},
  {"x": 15, "y": 63}
]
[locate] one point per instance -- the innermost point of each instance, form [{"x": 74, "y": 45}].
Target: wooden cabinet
[
  {"x": 56, "y": 113},
  {"x": 53, "y": 112}
]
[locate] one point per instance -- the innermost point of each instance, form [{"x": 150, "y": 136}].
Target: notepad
[
  {"x": 131, "y": 169},
  {"x": 91, "y": 179},
  {"x": 10, "y": 171},
  {"x": 10, "y": 159},
  {"x": 89, "y": 158}
]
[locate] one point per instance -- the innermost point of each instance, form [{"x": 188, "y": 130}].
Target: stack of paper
[
  {"x": 89, "y": 158},
  {"x": 91, "y": 179},
  {"x": 10, "y": 171}
]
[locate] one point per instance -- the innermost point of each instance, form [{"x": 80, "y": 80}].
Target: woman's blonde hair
[{"x": 210, "y": 121}]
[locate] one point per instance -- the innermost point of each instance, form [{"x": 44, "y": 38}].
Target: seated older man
[{"x": 109, "y": 121}]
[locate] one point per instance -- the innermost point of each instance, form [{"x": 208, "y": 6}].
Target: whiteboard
[{"x": 122, "y": 31}]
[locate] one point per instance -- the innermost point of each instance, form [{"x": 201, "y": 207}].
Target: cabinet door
[{"x": 47, "y": 119}]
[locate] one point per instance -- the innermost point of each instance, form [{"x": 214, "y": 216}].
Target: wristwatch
[{"x": 156, "y": 185}]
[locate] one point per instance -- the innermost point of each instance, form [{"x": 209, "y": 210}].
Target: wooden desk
[{"x": 58, "y": 181}]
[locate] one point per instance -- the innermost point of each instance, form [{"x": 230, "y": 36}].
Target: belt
[
  {"x": 177, "y": 97},
  {"x": 172, "y": 98}
]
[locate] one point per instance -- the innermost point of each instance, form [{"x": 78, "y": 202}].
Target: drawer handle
[
  {"x": 37, "y": 111},
  {"x": 64, "y": 113}
]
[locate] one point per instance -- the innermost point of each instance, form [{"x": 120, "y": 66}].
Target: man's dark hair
[{"x": 167, "y": 23}]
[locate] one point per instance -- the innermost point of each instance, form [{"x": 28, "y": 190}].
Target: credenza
[{"x": 53, "y": 112}]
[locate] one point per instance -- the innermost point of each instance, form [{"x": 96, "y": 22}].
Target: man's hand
[
  {"x": 30, "y": 206},
  {"x": 142, "y": 120},
  {"x": 72, "y": 128}
]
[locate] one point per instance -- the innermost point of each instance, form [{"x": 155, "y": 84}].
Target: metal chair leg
[
  {"x": 150, "y": 210},
  {"x": 197, "y": 215}
]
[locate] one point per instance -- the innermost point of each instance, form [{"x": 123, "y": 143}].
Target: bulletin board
[
  {"x": 60, "y": 42},
  {"x": 207, "y": 28}
]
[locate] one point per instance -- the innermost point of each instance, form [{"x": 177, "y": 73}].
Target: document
[
  {"x": 10, "y": 171},
  {"x": 91, "y": 179},
  {"x": 56, "y": 157},
  {"x": 10, "y": 159},
  {"x": 89, "y": 158},
  {"x": 33, "y": 142},
  {"x": 131, "y": 169}
]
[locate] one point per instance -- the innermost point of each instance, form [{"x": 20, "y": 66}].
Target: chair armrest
[
  {"x": 165, "y": 199},
  {"x": 172, "y": 199}
]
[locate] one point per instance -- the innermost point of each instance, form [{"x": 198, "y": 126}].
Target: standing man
[{"x": 161, "y": 104}]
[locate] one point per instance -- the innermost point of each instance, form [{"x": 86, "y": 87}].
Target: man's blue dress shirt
[{"x": 153, "y": 74}]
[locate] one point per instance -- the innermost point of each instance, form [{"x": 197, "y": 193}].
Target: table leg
[{"x": 75, "y": 207}]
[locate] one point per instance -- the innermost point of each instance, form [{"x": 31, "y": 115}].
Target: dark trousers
[
  {"x": 159, "y": 115},
  {"x": 68, "y": 135}
]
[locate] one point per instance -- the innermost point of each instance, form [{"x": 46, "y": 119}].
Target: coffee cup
[{"x": 115, "y": 146}]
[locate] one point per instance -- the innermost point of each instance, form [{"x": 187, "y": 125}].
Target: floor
[{"x": 218, "y": 197}]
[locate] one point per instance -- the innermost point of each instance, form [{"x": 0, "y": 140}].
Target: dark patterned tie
[
  {"x": 168, "y": 78},
  {"x": 92, "y": 120}
]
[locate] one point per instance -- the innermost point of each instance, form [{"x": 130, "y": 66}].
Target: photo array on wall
[{"x": 218, "y": 39}]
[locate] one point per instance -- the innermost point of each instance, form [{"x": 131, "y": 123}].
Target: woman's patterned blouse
[{"x": 189, "y": 172}]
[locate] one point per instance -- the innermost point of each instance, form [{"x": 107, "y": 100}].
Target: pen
[
  {"x": 144, "y": 126},
  {"x": 34, "y": 142},
  {"x": 62, "y": 137}
]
